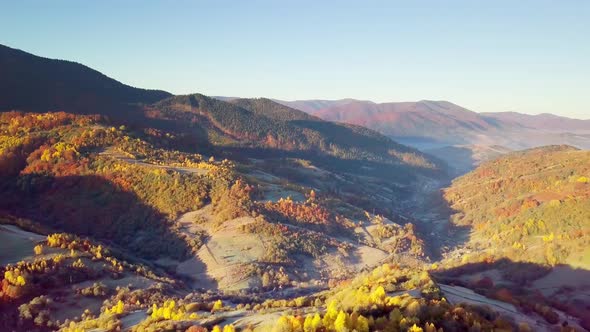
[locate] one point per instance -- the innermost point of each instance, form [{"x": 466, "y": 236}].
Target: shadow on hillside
[
  {"x": 95, "y": 207},
  {"x": 188, "y": 135},
  {"x": 345, "y": 134},
  {"x": 401, "y": 173},
  {"x": 431, "y": 215},
  {"x": 395, "y": 181},
  {"x": 528, "y": 286},
  {"x": 521, "y": 273},
  {"x": 373, "y": 186}
]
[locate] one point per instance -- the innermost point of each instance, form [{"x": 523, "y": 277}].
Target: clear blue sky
[{"x": 525, "y": 56}]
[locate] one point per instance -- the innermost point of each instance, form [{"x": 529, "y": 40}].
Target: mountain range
[
  {"x": 459, "y": 136},
  {"x": 59, "y": 85},
  {"x": 427, "y": 123},
  {"x": 131, "y": 209}
]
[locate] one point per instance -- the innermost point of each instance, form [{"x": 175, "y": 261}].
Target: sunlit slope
[{"x": 529, "y": 206}]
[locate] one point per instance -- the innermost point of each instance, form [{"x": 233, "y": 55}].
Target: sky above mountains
[{"x": 526, "y": 56}]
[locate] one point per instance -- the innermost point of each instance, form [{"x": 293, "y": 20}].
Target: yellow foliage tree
[
  {"x": 362, "y": 324},
  {"x": 229, "y": 328},
  {"x": 20, "y": 281},
  {"x": 312, "y": 323},
  {"x": 168, "y": 311},
  {"x": 296, "y": 324},
  {"x": 307, "y": 327},
  {"x": 415, "y": 328},
  {"x": 282, "y": 325},
  {"x": 341, "y": 324},
  {"x": 378, "y": 295},
  {"x": 218, "y": 305},
  {"x": 38, "y": 249},
  {"x": 331, "y": 314},
  {"x": 15, "y": 277},
  {"x": 549, "y": 238},
  {"x": 117, "y": 309}
]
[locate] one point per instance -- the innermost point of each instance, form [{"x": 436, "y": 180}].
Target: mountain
[
  {"x": 315, "y": 105},
  {"x": 430, "y": 124},
  {"x": 437, "y": 120},
  {"x": 460, "y": 137},
  {"x": 545, "y": 121},
  {"x": 33, "y": 83}
]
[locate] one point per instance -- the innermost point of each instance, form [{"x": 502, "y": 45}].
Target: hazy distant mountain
[
  {"x": 545, "y": 121},
  {"x": 315, "y": 105},
  {"x": 439, "y": 120},
  {"x": 430, "y": 124}
]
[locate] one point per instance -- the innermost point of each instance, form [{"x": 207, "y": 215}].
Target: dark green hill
[
  {"x": 32, "y": 83},
  {"x": 264, "y": 124}
]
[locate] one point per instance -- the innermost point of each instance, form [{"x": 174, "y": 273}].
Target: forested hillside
[
  {"x": 528, "y": 216},
  {"x": 53, "y": 171},
  {"x": 263, "y": 124},
  {"x": 532, "y": 205},
  {"x": 134, "y": 193}
]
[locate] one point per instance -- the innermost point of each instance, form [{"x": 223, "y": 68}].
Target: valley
[{"x": 138, "y": 210}]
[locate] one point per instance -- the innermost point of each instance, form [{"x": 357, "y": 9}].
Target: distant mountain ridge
[
  {"x": 449, "y": 124},
  {"x": 545, "y": 121},
  {"x": 312, "y": 106}
]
